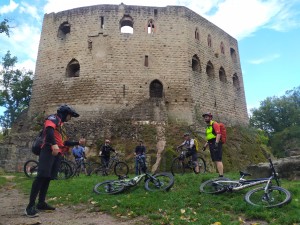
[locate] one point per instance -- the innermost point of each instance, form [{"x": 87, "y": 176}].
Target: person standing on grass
[
  {"x": 54, "y": 145},
  {"x": 79, "y": 155},
  {"x": 105, "y": 154},
  {"x": 140, "y": 153},
  {"x": 213, "y": 136}
]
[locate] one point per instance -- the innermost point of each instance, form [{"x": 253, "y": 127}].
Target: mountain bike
[
  {"x": 81, "y": 166},
  {"x": 119, "y": 167},
  {"x": 266, "y": 196},
  {"x": 182, "y": 162},
  {"x": 31, "y": 168},
  {"x": 156, "y": 182}
]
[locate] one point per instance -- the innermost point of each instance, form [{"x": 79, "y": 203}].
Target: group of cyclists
[{"x": 56, "y": 143}]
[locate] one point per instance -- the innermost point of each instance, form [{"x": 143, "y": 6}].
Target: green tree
[
  {"x": 15, "y": 93},
  {"x": 4, "y": 27},
  {"x": 280, "y": 119},
  {"x": 277, "y": 113}
]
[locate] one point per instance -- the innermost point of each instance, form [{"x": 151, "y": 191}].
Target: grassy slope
[{"x": 181, "y": 205}]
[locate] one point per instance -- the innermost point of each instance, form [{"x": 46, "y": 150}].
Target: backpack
[
  {"x": 223, "y": 133},
  {"x": 37, "y": 143},
  {"x": 196, "y": 143}
]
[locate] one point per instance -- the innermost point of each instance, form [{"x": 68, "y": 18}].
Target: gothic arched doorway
[{"x": 156, "y": 89}]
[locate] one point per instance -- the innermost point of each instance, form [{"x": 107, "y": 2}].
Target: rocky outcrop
[{"x": 287, "y": 168}]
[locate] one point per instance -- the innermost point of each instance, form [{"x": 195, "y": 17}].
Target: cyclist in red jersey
[{"x": 54, "y": 145}]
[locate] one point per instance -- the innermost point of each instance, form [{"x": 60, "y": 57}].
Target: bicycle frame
[{"x": 243, "y": 183}]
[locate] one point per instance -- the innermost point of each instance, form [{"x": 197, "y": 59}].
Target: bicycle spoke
[{"x": 275, "y": 196}]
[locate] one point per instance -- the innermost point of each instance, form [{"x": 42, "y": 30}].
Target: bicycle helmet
[
  {"x": 65, "y": 110},
  {"x": 207, "y": 114},
  {"x": 186, "y": 134}
]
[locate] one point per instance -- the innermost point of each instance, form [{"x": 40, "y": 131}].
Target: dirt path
[{"x": 13, "y": 203}]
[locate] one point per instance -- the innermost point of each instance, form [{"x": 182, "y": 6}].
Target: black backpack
[{"x": 37, "y": 143}]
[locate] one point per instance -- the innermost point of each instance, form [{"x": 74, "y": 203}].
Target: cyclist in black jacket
[{"x": 105, "y": 153}]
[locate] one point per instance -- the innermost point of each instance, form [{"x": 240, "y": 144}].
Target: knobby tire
[
  {"x": 276, "y": 197},
  {"x": 30, "y": 168},
  {"x": 177, "y": 166},
  {"x": 210, "y": 187},
  {"x": 109, "y": 187},
  {"x": 162, "y": 182},
  {"x": 121, "y": 169}
]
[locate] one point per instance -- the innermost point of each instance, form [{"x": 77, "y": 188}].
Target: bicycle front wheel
[
  {"x": 177, "y": 166},
  {"x": 274, "y": 197},
  {"x": 31, "y": 168},
  {"x": 121, "y": 169},
  {"x": 211, "y": 187},
  {"x": 160, "y": 182},
  {"x": 109, "y": 187}
]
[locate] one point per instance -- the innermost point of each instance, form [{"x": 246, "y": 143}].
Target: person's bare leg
[{"x": 219, "y": 165}]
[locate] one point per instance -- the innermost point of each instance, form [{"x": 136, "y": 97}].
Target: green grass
[{"x": 183, "y": 204}]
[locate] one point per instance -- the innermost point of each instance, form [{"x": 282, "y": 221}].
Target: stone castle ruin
[
  {"x": 134, "y": 63},
  {"x": 146, "y": 63}
]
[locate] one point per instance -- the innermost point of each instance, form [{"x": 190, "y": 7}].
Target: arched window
[
  {"x": 73, "y": 68},
  {"x": 196, "y": 63},
  {"x": 233, "y": 55},
  {"x": 156, "y": 89},
  {"x": 197, "y": 34},
  {"x": 209, "y": 42},
  {"x": 222, "y": 48},
  {"x": 210, "y": 69},
  {"x": 222, "y": 75},
  {"x": 151, "y": 27},
  {"x": 126, "y": 24},
  {"x": 235, "y": 80},
  {"x": 64, "y": 29}
]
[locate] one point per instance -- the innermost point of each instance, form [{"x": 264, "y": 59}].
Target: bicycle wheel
[
  {"x": 65, "y": 171},
  {"x": 202, "y": 165},
  {"x": 275, "y": 196},
  {"x": 31, "y": 168},
  {"x": 177, "y": 166},
  {"x": 82, "y": 168},
  {"x": 73, "y": 167},
  {"x": 109, "y": 187},
  {"x": 160, "y": 182},
  {"x": 210, "y": 187},
  {"x": 94, "y": 168},
  {"x": 121, "y": 169}
]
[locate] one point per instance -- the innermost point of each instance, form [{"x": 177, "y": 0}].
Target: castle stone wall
[{"x": 113, "y": 76}]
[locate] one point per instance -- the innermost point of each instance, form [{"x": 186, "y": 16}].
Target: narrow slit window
[
  {"x": 146, "y": 63},
  {"x": 102, "y": 22}
]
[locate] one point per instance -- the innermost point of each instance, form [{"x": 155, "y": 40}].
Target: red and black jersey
[{"x": 59, "y": 136}]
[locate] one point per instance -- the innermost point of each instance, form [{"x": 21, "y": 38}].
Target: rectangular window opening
[
  {"x": 102, "y": 22},
  {"x": 155, "y": 12},
  {"x": 146, "y": 61}
]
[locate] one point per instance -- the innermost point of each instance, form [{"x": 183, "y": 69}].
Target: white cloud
[
  {"x": 8, "y": 8},
  {"x": 23, "y": 43},
  {"x": 268, "y": 58},
  {"x": 31, "y": 10}
]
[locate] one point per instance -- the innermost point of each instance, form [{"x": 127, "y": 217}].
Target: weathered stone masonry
[
  {"x": 172, "y": 64},
  {"x": 174, "y": 55}
]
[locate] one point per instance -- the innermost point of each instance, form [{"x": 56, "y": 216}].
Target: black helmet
[
  {"x": 65, "y": 109},
  {"x": 207, "y": 114},
  {"x": 186, "y": 134}
]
